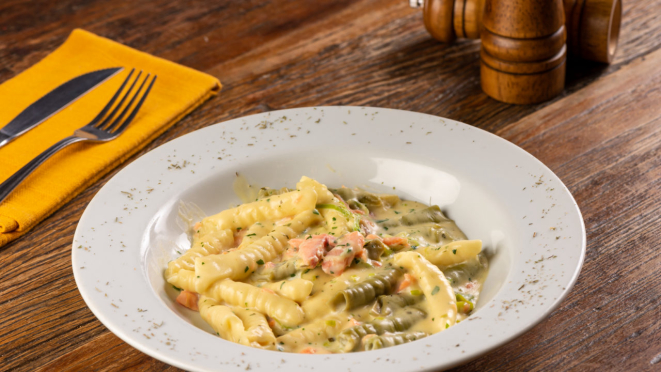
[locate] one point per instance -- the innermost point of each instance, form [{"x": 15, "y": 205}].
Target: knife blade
[{"x": 53, "y": 102}]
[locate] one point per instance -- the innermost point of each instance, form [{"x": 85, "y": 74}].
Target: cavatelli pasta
[
  {"x": 400, "y": 321},
  {"x": 278, "y": 271},
  {"x": 364, "y": 292},
  {"x": 453, "y": 253},
  {"x": 392, "y": 339},
  {"x": 240, "y": 264},
  {"x": 387, "y": 304},
  {"x": 316, "y": 332},
  {"x": 314, "y": 270},
  {"x": 296, "y": 289},
  {"x": 234, "y": 293}
]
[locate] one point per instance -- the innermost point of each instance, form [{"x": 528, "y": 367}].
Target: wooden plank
[{"x": 603, "y": 142}]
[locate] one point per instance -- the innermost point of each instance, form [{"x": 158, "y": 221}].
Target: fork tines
[{"x": 113, "y": 122}]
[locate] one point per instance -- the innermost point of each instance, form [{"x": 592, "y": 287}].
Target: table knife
[{"x": 53, "y": 102}]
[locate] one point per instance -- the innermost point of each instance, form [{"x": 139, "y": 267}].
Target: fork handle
[{"x": 12, "y": 182}]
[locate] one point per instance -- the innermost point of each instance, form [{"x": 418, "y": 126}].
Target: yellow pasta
[
  {"x": 255, "y": 232},
  {"x": 221, "y": 318},
  {"x": 296, "y": 289},
  {"x": 453, "y": 253},
  {"x": 329, "y": 270},
  {"x": 242, "y": 263},
  {"x": 221, "y": 240},
  {"x": 257, "y": 330},
  {"x": 323, "y": 195},
  {"x": 184, "y": 279},
  {"x": 434, "y": 285},
  {"x": 273, "y": 208},
  {"x": 334, "y": 222},
  {"x": 285, "y": 311}
]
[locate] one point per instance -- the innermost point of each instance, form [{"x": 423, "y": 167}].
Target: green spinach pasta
[{"x": 317, "y": 270}]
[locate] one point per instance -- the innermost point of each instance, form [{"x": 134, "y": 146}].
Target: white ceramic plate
[{"x": 496, "y": 192}]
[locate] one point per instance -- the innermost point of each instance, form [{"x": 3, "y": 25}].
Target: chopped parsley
[
  {"x": 260, "y": 262},
  {"x": 435, "y": 290},
  {"x": 246, "y": 270}
]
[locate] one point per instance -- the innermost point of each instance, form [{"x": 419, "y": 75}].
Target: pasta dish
[{"x": 317, "y": 270}]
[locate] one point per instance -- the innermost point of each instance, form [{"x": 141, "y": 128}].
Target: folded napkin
[{"x": 177, "y": 91}]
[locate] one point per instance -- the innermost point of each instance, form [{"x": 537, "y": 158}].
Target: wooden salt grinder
[
  {"x": 523, "y": 50},
  {"x": 447, "y": 20},
  {"x": 593, "y": 26}
]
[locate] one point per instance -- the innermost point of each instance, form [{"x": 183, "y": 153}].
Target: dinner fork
[{"x": 101, "y": 129}]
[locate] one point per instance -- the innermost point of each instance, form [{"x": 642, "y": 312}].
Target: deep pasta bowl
[{"x": 531, "y": 228}]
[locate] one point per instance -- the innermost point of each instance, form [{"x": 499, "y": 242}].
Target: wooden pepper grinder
[
  {"x": 593, "y": 26},
  {"x": 523, "y": 50}
]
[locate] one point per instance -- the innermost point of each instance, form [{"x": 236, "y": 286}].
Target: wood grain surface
[{"x": 602, "y": 137}]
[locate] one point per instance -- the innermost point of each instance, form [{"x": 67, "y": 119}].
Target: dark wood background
[{"x": 602, "y": 137}]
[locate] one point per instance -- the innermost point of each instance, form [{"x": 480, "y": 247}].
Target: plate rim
[{"x": 465, "y": 358}]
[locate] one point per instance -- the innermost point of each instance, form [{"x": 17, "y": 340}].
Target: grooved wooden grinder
[{"x": 592, "y": 26}]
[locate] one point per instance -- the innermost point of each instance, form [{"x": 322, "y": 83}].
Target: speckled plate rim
[{"x": 113, "y": 281}]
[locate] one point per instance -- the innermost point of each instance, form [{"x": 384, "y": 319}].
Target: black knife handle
[{"x": 12, "y": 182}]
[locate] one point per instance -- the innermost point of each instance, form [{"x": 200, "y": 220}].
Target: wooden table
[{"x": 602, "y": 138}]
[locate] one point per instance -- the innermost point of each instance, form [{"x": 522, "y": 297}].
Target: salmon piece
[
  {"x": 372, "y": 237},
  {"x": 238, "y": 237},
  {"x": 395, "y": 241},
  {"x": 295, "y": 243},
  {"x": 188, "y": 299},
  {"x": 341, "y": 257},
  {"x": 365, "y": 338},
  {"x": 313, "y": 250},
  {"x": 351, "y": 323},
  {"x": 406, "y": 282},
  {"x": 314, "y": 350}
]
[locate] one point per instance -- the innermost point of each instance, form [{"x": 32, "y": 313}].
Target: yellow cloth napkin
[{"x": 177, "y": 91}]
